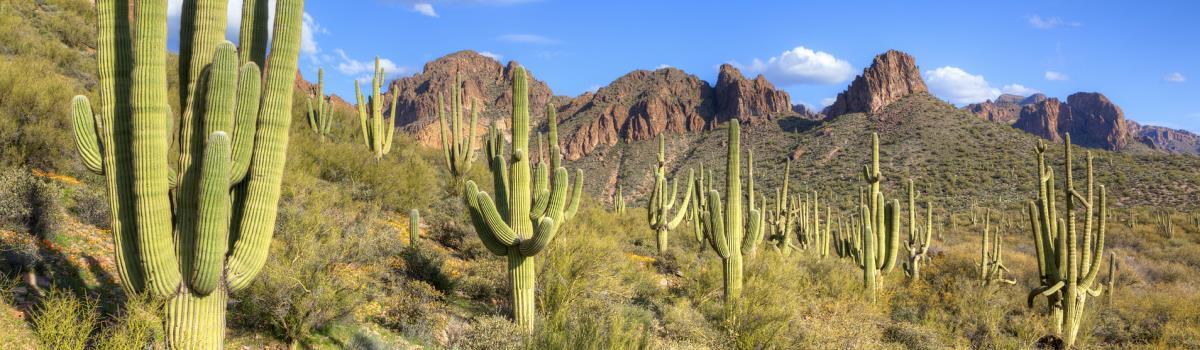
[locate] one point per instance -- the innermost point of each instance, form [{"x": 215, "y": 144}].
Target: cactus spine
[
  {"x": 414, "y": 227},
  {"x": 377, "y": 129},
  {"x": 918, "y": 239},
  {"x": 991, "y": 258},
  {"x": 194, "y": 233},
  {"x": 1066, "y": 267},
  {"x": 723, "y": 225},
  {"x": 879, "y": 228},
  {"x": 524, "y": 219},
  {"x": 458, "y": 144},
  {"x": 658, "y": 211},
  {"x": 320, "y": 115}
]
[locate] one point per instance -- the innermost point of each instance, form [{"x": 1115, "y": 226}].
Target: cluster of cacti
[
  {"x": 619, "y": 201},
  {"x": 783, "y": 217},
  {"x": 458, "y": 144},
  {"x": 414, "y": 227},
  {"x": 879, "y": 226},
  {"x": 377, "y": 129},
  {"x": 991, "y": 256},
  {"x": 194, "y": 233},
  {"x": 525, "y": 217},
  {"x": 320, "y": 115},
  {"x": 725, "y": 228},
  {"x": 658, "y": 210},
  {"x": 1066, "y": 266},
  {"x": 699, "y": 205},
  {"x": 918, "y": 238},
  {"x": 1162, "y": 220}
]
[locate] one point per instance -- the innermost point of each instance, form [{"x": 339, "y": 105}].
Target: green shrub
[
  {"x": 64, "y": 322},
  {"x": 488, "y": 333},
  {"x": 29, "y": 204}
]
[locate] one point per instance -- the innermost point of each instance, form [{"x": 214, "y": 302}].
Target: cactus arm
[
  {"x": 447, "y": 153},
  {"x": 496, "y": 226},
  {"x": 86, "y": 142},
  {"x": 543, "y": 234},
  {"x": 212, "y": 229},
  {"x": 687, "y": 198},
  {"x": 1044, "y": 291},
  {"x": 500, "y": 182},
  {"x": 152, "y": 210},
  {"x": 245, "y": 121},
  {"x": 362, "y": 113},
  {"x": 390, "y": 123},
  {"x": 576, "y": 193},
  {"x": 558, "y": 196},
  {"x": 714, "y": 225},
  {"x": 754, "y": 232},
  {"x": 249, "y": 251},
  {"x": 1097, "y": 255},
  {"x": 478, "y": 221}
]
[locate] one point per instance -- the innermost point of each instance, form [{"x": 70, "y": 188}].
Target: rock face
[
  {"x": 1091, "y": 118},
  {"x": 643, "y": 104},
  {"x": 752, "y": 101},
  {"x": 483, "y": 79},
  {"x": 890, "y": 77},
  {"x": 1005, "y": 109},
  {"x": 1165, "y": 139},
  {"x": 637, "y": 106}
]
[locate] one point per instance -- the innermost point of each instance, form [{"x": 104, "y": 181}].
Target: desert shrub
[
  {"x": 412, "y": 308},
  {"x": 320, "y": 267},
  {"x": 424, "y": 263},
  {"x": 137, "y": 326},
  {"x": 28, "y": 204},
  {"x": 63, "y": 321},
  {"x": 90, "y": 205},
  {"x": 488, "y": 332},
  {"x": 19, "y": 252}
]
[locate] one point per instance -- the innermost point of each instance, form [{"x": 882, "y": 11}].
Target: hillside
[{"x": 953, "y": 155}]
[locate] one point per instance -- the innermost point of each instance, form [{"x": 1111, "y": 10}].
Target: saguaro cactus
[
  {"x": 377, "y": 129},
  {"x": 783, "y": 218},
  {"x": 1066, "y": 266},
  {"x": 414, "y": 227},
  {"x": 723, "y": 225},
  {"x": 918, "y": 239},
  {"x": 619, "y": 201},
  {"x": 879, "y": 229},
  {"x": 320, "y": 115},
  {"x": 991, "y": 258},
  {"x": 524, "y": 219},
  {"x": 196, "y": 232},
  {"x": 1113, "y": 267},
  {"x": 1162, "y": 220},
  {"x": 458, "y": 144},
  {"x": 658, "y": 210}
]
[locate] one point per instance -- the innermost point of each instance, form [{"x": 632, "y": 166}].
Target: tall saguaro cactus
[
  {"x": 320, "y": 115},
  {"x": 619, "y": 201},
  {"x": 658, "y": 210},
  {"x": 783, "y": 218},
  {"x": 723, "y": 225},
  {"x": 524, "y": 219},
  {"x": 458, "y": 144},
  {"x": 193, "y": 233},
  {"x": 377, "y": 129},
  {"x": 1067, "y": 267},
  {"x": 879, "y": 230},
  {"x": 918, "y": 239}
]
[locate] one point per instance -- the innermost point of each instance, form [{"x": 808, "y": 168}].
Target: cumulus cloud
[
  {"x": 1175, "y": 77},
  {"x": 364, "y": 69},
  {"x": 960, "y": 87},
  {"x": 825, "y": 102},
  {"x": 527, "y": 39},
  {"x": 1056, "y": 76},
  {"x": 491, "y": 55},
  {"x": 1040, "y": 22},
  {"x": 802, "y": 65},
  {"x": 424, "y": 8}
]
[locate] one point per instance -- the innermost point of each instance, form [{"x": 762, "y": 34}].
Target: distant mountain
[
  {"x": 891, "y": 76},
  {"x": 1092, "y": 119}
]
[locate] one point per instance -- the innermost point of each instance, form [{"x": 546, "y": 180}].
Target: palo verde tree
[{"x": 194, "y": 232}]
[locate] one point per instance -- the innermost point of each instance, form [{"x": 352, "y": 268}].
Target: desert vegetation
[{"x": 210, "y": 203}]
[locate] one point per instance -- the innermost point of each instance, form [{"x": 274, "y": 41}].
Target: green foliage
[
  {"x": 64, "y": 321},
  {"x": 29, "y": 204}
]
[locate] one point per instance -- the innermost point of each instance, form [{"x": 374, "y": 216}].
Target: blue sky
[{"x": 1142, "y": 55}]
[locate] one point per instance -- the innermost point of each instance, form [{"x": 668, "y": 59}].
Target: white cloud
[
  {"x": 310, "y": 27},
  {"x": 365, "y": 69},
  {"x": 491, "y": 55},
  {"x": 424, "y": 9},
  {"x": 1175, "y": 77},
  {"x": 527, "y": 39},
  {"x": 801, "y": 65},
  {"x": 661, "y": 66},
  {"x": 1050, "y": 22},
  {"x": 961, "y": 87},
  {"x": 825, "y": 102},
  {"x": 1056, "y": 76}
]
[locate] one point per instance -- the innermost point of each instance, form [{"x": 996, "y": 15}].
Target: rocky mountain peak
[
  {"x": 891, "y": 76},
  {"x": 752, "y": 101}
]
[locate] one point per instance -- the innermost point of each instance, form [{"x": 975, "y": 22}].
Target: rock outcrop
[
  {"x": 892, "y": 76},
  {"x": 637, "y": 106},
  {"x": 1004, "y": 109},
  {"x": 1165, "y": 139},
  {"x": 751, "y": 101},
  {"x": 1090, "y": 118},
  {"x": 483, "y": 79}
]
